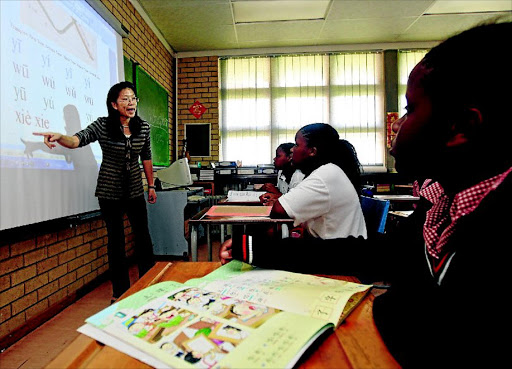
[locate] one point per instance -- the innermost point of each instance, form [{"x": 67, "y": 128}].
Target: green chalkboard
[
  {"x": 153, "y": 108},
  {"x": 128, "y": 69}
]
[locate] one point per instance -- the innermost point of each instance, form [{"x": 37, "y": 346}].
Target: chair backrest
[{"x": 375, "y": 213}]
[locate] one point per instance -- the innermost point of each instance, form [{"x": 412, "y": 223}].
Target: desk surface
[
  {"x": 201, "y": 218},
  {"x": 356, "y": 343},
  {"x": 397, "y": 197}
]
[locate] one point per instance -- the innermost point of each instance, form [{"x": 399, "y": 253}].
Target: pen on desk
[{"x": 160, "y": 275}]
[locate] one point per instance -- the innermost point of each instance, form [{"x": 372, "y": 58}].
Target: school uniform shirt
[
  {"x": 327, "y": 203},
  {"x": 447, "y": 314},
  {"x": 120, "y": 175},
  {"x": 284, "y": 186}
]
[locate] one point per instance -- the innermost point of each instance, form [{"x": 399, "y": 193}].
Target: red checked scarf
[{"x": 441, "y": 219}]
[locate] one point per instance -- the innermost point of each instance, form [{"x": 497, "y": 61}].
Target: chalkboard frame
[
  {"x": 198, "y": 136},
  {"x": 153, "y": 107}
]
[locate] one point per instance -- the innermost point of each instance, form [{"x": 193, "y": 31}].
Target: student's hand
[
  {"x": 269, "y": 199},
  {"x": 49, "y": 138},
  {"x": 265, "y": 197},
  {"x": 269, "y": 187},
  {"x": 225, "y": 251},
  {"x": 151, "y": 195}
]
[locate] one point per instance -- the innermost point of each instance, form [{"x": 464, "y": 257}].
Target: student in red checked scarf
[{"x": 449, "y": 262}]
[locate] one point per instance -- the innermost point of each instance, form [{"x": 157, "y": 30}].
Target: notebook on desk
[{"x": 238, "y": 211}]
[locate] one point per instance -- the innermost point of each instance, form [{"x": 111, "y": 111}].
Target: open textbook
[{"x": 238, "y": 316}]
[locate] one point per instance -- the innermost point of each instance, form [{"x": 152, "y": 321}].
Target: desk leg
[
  {"x": 221, "y": 234},
  {"x": 209, "y": 242},
  {"x": 193, "y": 242}
]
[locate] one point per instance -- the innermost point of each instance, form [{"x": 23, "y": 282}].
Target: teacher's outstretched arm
[{"x": 71, "y": 142}]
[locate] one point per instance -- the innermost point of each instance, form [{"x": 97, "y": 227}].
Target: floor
[{"x": 38, "y": 348}]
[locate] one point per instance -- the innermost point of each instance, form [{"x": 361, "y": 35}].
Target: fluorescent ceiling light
[
  {"x": 279, "y": 10},
  {"x": 469, "y": 6}
]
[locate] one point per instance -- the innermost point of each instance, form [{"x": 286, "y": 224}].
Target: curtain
[
  {"x": 407, "y": 60},
  {"x": 245, "y": 111},
  {"x": 265, "y": 100}
]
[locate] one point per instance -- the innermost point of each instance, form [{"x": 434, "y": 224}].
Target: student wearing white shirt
[
  {"x": 326, "y": 202},
  {"x": 288, "y": 176}
]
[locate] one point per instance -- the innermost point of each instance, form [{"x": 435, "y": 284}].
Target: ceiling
[{"x": 217, "y": 27}]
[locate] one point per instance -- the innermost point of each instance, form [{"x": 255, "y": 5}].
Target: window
[
  {"x": 407, "y": 60},
  {"x": 265, "y": 100}
]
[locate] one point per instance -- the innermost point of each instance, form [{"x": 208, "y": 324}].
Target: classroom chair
[{"x": 375, "y": 213}]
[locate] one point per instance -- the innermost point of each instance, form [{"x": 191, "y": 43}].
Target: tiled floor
[{"x": 38, "y": 348}]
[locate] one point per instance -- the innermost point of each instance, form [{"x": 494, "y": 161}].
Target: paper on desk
[
  {"x": 401, "y": 213},
  {"x": 244, "y": 196}
]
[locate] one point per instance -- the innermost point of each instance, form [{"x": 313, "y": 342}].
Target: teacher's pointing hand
[{"x": 49, "y": 138}]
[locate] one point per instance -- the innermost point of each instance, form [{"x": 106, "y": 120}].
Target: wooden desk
[
  {"x": 356, "y": 343},
  {"x": 200, "y": 218},
  {"x": 399, "y": 202},
  {"x": 398, "y": 198},
  {"x": 208, "y": 184}
]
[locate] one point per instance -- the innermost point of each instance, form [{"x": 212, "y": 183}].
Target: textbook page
[
  {"x": 304, "y": 294},
  {"x": 172, "y": 325}
]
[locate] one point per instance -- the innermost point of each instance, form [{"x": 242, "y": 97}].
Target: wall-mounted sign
[
  {"x": 197, "y": 109},
  {"x": 391, "y": 118}
]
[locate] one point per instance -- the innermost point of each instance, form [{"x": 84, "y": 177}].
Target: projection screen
[{"x": 58, "y": 60}]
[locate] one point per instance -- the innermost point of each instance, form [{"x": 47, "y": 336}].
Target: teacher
[{"x": 123, "y": 137}]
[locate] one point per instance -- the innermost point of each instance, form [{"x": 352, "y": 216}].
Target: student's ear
[
  {"x": 312, "y": 151},
  {"x": 465, "y": 128},
  {"x": 114, "y": 105}
]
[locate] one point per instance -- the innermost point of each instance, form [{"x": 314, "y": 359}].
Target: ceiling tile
[
  {"x": 440, "y": 27},
  {"x": 344, "y": 9},
  {"x": 193, "y": 25},
  {"x": 205, "y": 37},
  {"x": 467, "y": 6},
  {"x": 349, "y": 30},
  {"x": 188, "y": 13},
  {"x": 278, "y": 44},
  {"x": 279, "y": 31},
  {"x": 279, "y": 10}
]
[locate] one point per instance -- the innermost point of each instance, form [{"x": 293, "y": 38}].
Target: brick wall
[
  {"x": 143, "y": 47},
  {"x": 42, "y": 271},
  {"x": 198, "y": 80},
  {"x": 39, "y": 272}
]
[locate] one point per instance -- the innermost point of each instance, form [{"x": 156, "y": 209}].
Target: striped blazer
[{"x": 120, "y": 175}]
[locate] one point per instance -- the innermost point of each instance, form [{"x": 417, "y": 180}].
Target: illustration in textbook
[{"x": 238, "y": 316}]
